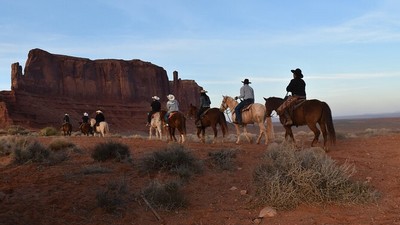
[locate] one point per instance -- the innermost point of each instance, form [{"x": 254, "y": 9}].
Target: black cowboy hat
[
  {"x": 246, "y": 81},
  {"x": 297, "y": 72}
]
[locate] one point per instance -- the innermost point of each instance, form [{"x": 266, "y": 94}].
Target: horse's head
[
  {"x": 92, "y": 122},
  {"x": 227, "y": 102},
  {"x": 272, "y": 103}
]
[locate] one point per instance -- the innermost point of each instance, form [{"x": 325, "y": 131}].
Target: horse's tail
[
  {"x": 327, "y": 116},
  {"x": 223, "y": 124},
  {"x": 184, "y": 123}
]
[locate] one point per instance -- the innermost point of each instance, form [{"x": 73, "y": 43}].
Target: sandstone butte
[{"x": 52, "y": 85}]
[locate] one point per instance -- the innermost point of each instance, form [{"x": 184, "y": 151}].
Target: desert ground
[{"x": 35, "y": 193}]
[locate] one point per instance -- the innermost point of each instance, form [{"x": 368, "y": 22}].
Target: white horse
[
  {"x": 156, "y": 126},
  {"x": 102, "y": 129},
  {"x": 255, "y": 114}
]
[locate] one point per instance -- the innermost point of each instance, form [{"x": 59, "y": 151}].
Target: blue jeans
[{"x": 240, "y": 106}]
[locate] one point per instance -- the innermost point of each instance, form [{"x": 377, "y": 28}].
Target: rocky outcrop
[{"x": 51, "y": 85}]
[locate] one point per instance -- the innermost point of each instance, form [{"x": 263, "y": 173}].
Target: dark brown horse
[
  {"x": 212, "y": 117},
  {"x": 66, "y": 128},
  {"x": 192, "y": 113},
  {"x": 85, "y": 128},
  {"x": 309, "y": 113},
  {"x": 177, "y": 120}
]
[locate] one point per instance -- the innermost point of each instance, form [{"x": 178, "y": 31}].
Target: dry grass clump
[
  {"x": 287, "y": 178},
  {"x": 17, "y": 130},
  {"x": 49, "y": 131},
  {"x": 112, "y": 197},
  {"x": 223, "y": 159},
  {"x": 174, "y": 159},
  {"x": 30, "y": 151},
  {"x": 166, "y": 196},
  {"x": 111, "y": 150}
]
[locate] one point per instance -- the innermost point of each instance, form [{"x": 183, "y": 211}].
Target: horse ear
[{"x": 265, "y": 99}]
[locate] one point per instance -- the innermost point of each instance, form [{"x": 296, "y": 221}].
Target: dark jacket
[
  {"x": 297, "y": 86},
  {"x": 100, "y": 117},
  {"x": 85, "y": 119},
  {"x": 66, "y": 119},
  {"x": 155, "y": 106},
  {"x": 205, "y": 101}
]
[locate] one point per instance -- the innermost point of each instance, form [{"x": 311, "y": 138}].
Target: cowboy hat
[
  {"x": 297, "y": 72},
  {"x": 85, "y": 114},
  {"x": 171, "y": 97},
  {"x": 246, "y": 81},
  {"x": 155, "y": 97},
  {"x": 99, "y": 111},
  {"x": 203, "y": 91}
]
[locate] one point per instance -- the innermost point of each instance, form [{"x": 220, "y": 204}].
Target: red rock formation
[{"x": 52, "y": 85}]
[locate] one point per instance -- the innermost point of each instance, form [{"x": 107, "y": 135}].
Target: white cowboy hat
[
  {"x": 66, "y": 114},
  {"x": 98, "y": 111},
  {"x": 171, "y": 97},
  {"x": 203, "y": 91},
  {"x": 85, "y": 114},
  {"x": 155, "y": 97}
]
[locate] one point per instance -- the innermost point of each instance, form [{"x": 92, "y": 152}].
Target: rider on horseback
[
  {"x": 172, "y": 106},
  {"x": 66, "y": 118},
  {"x": 247, "y": 94},
  {"x": 205, "y": 103},
  {"x": 155, "y": 107},
  {"x": 298, "y": 88},
  {"x": 99, "y": 117}
]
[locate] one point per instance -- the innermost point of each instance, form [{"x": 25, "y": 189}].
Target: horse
[
  {"x": 156, "y": 126},
  {"x": 212, "y": 117},
  {"x": 177, "y": 120},
  {"x": 309, "y": 112},
  {"x": 102, "y": 129},
  {"x": 85, "y": 128},
  {"x": 66, "y": 128},
  {"x": 254, "y": 113},
  {"x": 192, "y": 113}
]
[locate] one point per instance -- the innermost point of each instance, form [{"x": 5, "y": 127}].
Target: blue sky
[{"x": 348, "y": 50}]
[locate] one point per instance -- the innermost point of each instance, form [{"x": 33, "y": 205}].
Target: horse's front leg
[
  {"x": 249, "y": 139},
  {"x": 237, "y": 133},
  {"x": 214, "y": 127}
]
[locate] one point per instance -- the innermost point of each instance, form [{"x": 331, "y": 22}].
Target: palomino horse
[
  {"x": 102, "y": 129},
  {"x": 177, "y": 120},
  {"x": 256, "y": 113},
  {"x": 309, "y": 113},
  {"x": 66, "y": 128},
  {"x": 156, "y": 126},
  {"x": 212, "y": 117},
  {"x": 85, "y": 128}
]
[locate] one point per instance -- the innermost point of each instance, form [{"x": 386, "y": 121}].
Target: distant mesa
[{"x": 52, "y": 85}]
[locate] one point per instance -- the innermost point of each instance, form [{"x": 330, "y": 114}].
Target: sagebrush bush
[
  {"x": 174, "y": 159},
  {"x": 287, "y": 178},
  {"x": 17, "y": 130},
  {"x": 49, "y": 131},
  {"x": 111, "y": 150},
  {"x": 30, "y": 151},
  {"x": 223, "y": 159},
  {"x": 165, "y": 196},
  {"x": 112, "y": 197}
]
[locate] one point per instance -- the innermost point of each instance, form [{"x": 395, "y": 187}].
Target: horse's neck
[{"x": 232, "y": 105}]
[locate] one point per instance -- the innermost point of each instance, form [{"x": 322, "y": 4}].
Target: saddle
[
  {"x": 295, "y": 105},
  {"x": 204, "y": 113}
]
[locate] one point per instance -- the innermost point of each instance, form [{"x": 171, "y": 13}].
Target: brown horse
[
  {"x": 309, "y": 113},
  {"x": 256, "y": 113},
  {"x": 177, "y": 120},
  {"x": 66, "y": 128},
  {"x": 85, "y": 128},
  {"x": 212, "y": 117},
  {"x": 192, "y": 113}
]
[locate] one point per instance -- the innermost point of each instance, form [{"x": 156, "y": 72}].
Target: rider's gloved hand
[{"x": 236, "y": 98}]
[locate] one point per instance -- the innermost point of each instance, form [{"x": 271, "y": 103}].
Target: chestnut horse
[
  {"x": 85, "y": 128},
  {"x": 212, "y": 117},
  {"x": 255, "y": 113},
  {"x": 309, "y": 113},
  {"x": 177, "y": 120},
  {"x": 66, "y": 128},
  {"x": 192, "y": 113}
]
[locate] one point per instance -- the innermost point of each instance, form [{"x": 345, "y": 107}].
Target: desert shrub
[
  {"x": 6, "y": 145},
  {"x": 111, "y": 150},
  {"x": 48, "y": 131},
  {"x": 30, "y": 151},
  {"x": 166, "y": 196},
  {"x": 64, "y": 145},
  {"x": 17, "y": 130},
  {"x": 223, "y": 159},
  {"x": 174, "y": 159},
  {"x": 287, "y": 178},
  {"x": 112, "y": 197}
]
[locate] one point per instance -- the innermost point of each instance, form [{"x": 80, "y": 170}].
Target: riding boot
[{"x": 287, "y": 119}]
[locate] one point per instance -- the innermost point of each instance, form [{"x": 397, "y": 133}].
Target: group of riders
[
  {"x": 296, "y": 86},
  {"x": 85, "y": 119}
]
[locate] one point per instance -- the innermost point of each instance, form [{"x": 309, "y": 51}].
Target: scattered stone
[{"x": 267, "y": 212}]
